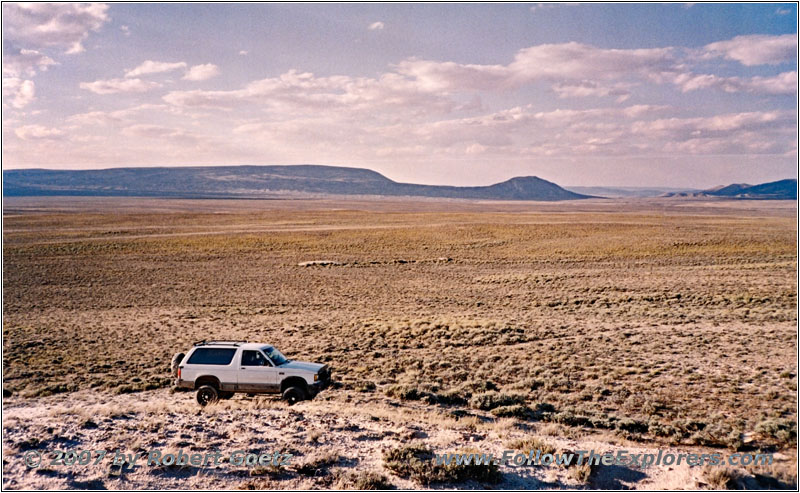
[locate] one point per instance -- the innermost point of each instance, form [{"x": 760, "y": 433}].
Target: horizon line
[{"x": 664, "y": 187}]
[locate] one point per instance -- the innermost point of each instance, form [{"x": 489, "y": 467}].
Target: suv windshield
[{"x": 275, "y": 355}]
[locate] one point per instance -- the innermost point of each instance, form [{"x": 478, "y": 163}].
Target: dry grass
[
  {"x": 678, "y": 327},
  {"x": 531, "y": 445},
  {"x": 582, "y": 473}
]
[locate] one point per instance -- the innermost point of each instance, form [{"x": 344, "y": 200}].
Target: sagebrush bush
[
  {"x": 416, "y": 462},
  {"x": 721, "y": 478},
  {"x": 363, "y": 480},
  {"x": 490, "y": 400},
  {"x": 582, "y": 473},
  {"x": 516, "y": 411},
  {"x": 532, "y": 444}
]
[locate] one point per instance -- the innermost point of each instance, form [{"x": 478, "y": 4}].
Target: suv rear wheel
[
  {"x": 207, "y": 395},
  {"x": 293, "y": 395}
]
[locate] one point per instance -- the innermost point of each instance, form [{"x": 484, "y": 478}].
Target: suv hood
[{"x": 303, "y": 366}]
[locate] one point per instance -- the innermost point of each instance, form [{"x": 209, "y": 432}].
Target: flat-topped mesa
[{"x": 259, "y": 182}]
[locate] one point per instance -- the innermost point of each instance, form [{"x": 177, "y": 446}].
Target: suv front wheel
[
  {"x": 207, "y": 395},
  {"x": 293, "y": 395}
]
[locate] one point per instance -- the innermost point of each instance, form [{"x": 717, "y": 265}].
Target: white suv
[{"x": 218, "y": 369}]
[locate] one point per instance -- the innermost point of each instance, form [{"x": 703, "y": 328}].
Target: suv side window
[
  {"x": 212, "y": 356},
  {"x": 253, "y": 358}
]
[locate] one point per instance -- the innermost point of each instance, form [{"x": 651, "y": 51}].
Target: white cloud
[
  {"x": 152, "y": 67},
  {"x": 734, "y": 133},
  {"x": 554, "y": 62},
  {"x": 360, "y": 116},
  {"x": 147, "y": 109},
  {"x": 301, "y": 92},
  {"x": 376, "y": 26},
  {"x": 504, "y": 133},
  {"x": 448, "y": 76},
  {"x": 125, "y": 30},
  {"x": 93, "y": 118},
  {"x": 25, "y": 63},
  {"x": 627, "y": 131},
  {"x": 202, "y": 72},
  {"x": 581, "y": 61},
  {"x": 784, "y": 83},
  {"x": 123, "y": 116},
  {"x": 37, "y": 132},
  {"x": 19, "y": 92},
  {"x": 146, "y": 130},
  {"x": 113, "y": 86},
  {"x": 783, "y": 11},
  {"x": 160, "y": 132},
  {"x": 756, "y": 49},
  {"x": 579, "y": 70},
  {"x": 587, "y": 88},
  {"x": 425, "y": 110},
  {"x": 727, "y": 134},
  {"x": 243, "y": 52},
  {"x": 475, "y": 149},
  {"x": 62, "y": 26}
]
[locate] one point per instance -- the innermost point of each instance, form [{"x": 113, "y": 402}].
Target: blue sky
[{"x": 686, "y": 95}]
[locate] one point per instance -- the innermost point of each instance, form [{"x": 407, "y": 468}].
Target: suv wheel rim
[
  {"x": 205, "y": 397},
  {"x": 292, "y": 397}
]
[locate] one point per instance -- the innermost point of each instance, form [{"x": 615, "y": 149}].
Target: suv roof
[{"x": 242, "y": 344}]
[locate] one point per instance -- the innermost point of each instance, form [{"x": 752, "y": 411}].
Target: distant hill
[
  {"x": 782, "y": 189},
  {"x": 727, "y": 190},
  {"x": 627, "y": 192},
  {"x": 776, "y": 190},
  {"x": 258, "y": 182}
]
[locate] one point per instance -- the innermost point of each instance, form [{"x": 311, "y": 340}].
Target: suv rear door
[{"x": 256, "y": 373}]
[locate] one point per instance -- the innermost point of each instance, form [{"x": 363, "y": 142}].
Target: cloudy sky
[{"x": 595, "y": 94}]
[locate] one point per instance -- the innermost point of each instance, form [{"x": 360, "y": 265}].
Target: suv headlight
[{"x": 316, "y": 377}]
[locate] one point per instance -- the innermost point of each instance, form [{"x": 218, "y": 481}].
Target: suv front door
[{"x": 256, "y": 373}]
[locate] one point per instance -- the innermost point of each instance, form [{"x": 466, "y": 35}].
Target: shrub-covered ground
[{"x": 672, "y": 321}]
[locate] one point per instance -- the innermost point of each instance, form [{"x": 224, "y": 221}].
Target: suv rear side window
[{"x": 212, "y": 356}]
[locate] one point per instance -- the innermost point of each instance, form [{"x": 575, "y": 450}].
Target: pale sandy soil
[{"x": 334, "y": 423}]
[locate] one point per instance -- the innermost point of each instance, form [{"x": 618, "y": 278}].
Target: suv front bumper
[
  {"x": 317, "y": 387},
  {"x": 322, "y": 383}
]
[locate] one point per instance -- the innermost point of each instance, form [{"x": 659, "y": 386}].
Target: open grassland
[{"x": 668, "y": 323}]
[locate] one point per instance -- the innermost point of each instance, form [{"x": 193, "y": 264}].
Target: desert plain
[{"x": 636, "y": 324}]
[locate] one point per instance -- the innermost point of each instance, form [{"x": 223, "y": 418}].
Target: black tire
[
  {"x": 207, "y": 395},
  {"x": 293, "y": 395}
]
